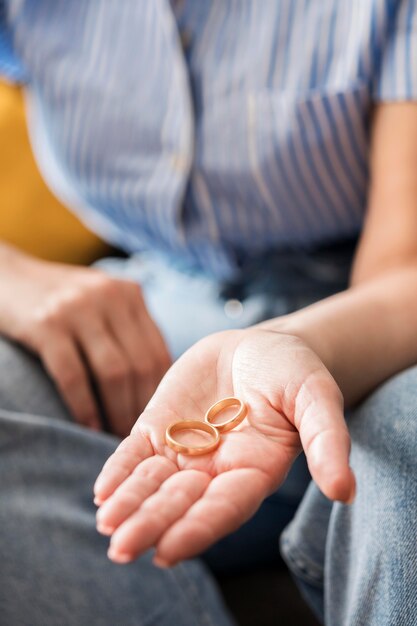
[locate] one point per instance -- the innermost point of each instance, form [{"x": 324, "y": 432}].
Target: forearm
[
  {"x": 8, "y": 254},
  {"x": 18, "y": 278},
  {"x": 363, "y": 335},
  {"x": 14, "y": 262},
  {"x": 369, "y": 332}
]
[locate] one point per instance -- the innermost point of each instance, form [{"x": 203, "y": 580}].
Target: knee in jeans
[{"x": 385, "y": 424}]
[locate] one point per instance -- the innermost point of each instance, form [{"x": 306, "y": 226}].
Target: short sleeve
[{"x": 397, "y": 75}]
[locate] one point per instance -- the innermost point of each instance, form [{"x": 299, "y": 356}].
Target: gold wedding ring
[
  {"x": 206, "y": 426},
  {"x": 192, "y": 425},
  {"x": 219, "y": 406}
]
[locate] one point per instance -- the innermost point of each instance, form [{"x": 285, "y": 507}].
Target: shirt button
[
  {"x": 233, "y": 309},
  {"x": 179, "y": 163}
]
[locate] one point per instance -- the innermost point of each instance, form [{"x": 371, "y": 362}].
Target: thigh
[
  {"x": 356, "y": 564},
  {"x": 25, "y": 387},
  {"x": 54, "y": 568},
  {"x": 371, "y": 574}
]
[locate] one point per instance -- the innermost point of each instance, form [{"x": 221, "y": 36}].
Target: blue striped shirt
[{"x": 210, "y": 131}]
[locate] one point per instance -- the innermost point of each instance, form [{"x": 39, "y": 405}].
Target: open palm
[{"x": 150, "y": 496}]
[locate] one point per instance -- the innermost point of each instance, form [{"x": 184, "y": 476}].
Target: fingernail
[
  {"x": 160, "y": 562},
  {"x": 98, "y": 500},
  {"x": 118, "y": 557},
  {"x": 105, "y": 530}
]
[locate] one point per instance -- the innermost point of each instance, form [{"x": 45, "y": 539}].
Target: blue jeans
[
  {"x": 357, "y": 565},
  {"x": 54, "y": 568}
]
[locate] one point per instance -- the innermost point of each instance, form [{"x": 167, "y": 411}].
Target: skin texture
[
  {"x": 293, "y": 372},
  {"x": 85, "y": 326}
]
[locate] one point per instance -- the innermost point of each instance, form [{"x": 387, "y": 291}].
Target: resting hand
[
  {"x": 84, "y": 326},
  {"x": 150, "y": 496}
]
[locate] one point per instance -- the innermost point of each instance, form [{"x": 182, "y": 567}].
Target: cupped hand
[
  {"x": 150, "y": 496},
  {"x": 86, "y": 327}
]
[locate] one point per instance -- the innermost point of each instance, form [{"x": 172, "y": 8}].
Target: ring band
[
  {"x": 219, "y": 406},
  {"x": 192, "y": 425}
]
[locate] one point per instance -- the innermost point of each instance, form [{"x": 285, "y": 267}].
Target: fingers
[
  {"x": 142, "y": 344},
  {"x": 132, "y": 339},
  {"x": 129, "y": 496},
  {"x": 112, "y": 372},
  {"x": 230, "y": 500},
  {"x": 109, "y": 338},
  {"x": 163, "y": 358},
  {"x": 63, "y": 362},
  {"x": 142, "y": 529},
  {"x": 325, "y": 438},
  {"x": 132, "y": 451},
  {"x": 188, "y": 513}
]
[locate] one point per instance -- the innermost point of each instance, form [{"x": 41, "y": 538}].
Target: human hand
[
  {"x": 150, "y": 496},
  {"x": 85, "y": 325}
]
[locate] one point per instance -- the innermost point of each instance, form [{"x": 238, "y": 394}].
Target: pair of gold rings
[{"x": 207, "y": 426}]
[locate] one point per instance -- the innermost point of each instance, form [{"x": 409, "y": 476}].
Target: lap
[
  {"x": 24, "y": 385},
  {"x": 54, "y": 564}
]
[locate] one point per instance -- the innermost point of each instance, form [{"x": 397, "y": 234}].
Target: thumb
[{"x": 319, "y": 418}]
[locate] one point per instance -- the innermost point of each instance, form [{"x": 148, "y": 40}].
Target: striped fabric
[
  {"x": 10, "y": 66},
  {"x": 212, "y": 131}
]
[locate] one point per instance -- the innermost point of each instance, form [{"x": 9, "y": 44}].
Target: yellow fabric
[{"x": 31, "y": 218}]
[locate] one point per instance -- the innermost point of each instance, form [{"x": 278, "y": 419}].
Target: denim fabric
[
  {"x": 54, "y": 568},
  {"x": 357, "y": 565}
]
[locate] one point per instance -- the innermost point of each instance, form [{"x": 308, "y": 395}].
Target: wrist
[
  {"x": 18, "y": 280},
  {"x": 14, "y": 261}
]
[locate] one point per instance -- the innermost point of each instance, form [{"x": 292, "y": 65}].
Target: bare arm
[{"x": 369, "y": 332}]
